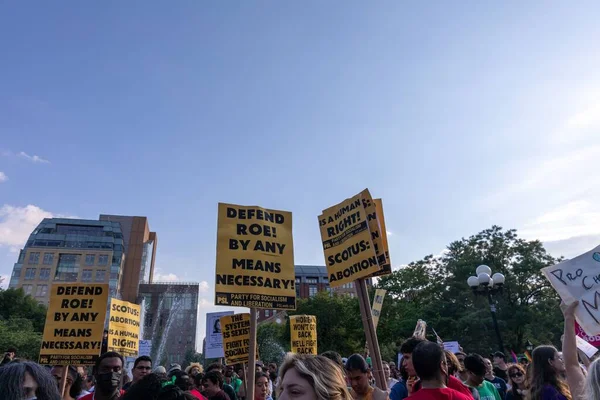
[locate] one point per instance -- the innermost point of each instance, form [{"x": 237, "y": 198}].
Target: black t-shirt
[{"x": 501, "y": 373}]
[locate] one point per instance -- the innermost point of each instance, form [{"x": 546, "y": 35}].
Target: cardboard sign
[
  {"x": 579, "y": 279},
  {"x": 377, "y": 305},
  {"x": 420, "y": 330},
  {"x": 594, "y": 340},
  {"x": 145, "y": 348},
  {"x": 236, "y": 337},
  {"x": 587, "y": 348},
  {"x": 74, "y": 324},
  {"x": 386, "y": 268},
  {"x": 255, "y": 258},
  {"x": 347, "y": 242},
  {"x": 214, "y": 338},
  {"x": 124, "y": 328},
  {"x": 304, "y": 334},
  {"x": 453, "y": 347}
]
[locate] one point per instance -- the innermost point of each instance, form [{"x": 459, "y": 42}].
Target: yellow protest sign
[
  {"x": 347, "y": 242},
  {"x": 385, "y": 263},
  {"x": 236, "y": 337},
  {"x": 74, "y": 324},
  {"x": 377, "y": 305},
  {"x": 124, "y": 328},
  {"x": 255, "y": 258},
  {"x": 304, "y": 334}
]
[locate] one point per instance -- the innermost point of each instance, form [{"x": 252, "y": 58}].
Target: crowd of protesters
[{"x": 426, "y": 372}]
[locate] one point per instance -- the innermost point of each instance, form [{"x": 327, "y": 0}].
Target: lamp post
[{"x": 486, "y": 284}]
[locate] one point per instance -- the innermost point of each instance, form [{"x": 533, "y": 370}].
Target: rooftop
[{"x": 310, "y": 270}]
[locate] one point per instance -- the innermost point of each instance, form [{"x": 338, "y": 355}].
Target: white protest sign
[
  {"x": 579, "y": 279},
  {"x": 145, "y": 348},
  {"x": 587, "y": 348},
  {"x": 452, "y": 347},
  {"x": 214, "y": 339}
]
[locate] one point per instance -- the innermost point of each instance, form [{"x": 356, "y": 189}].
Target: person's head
[
  {"x": 74, "y": 383},
  {"x": 172, "y": 369},
  {"x": 489, "y": 368},
  {"x": 308, "y": 377},
  {"x": 11, "y": 352},
  {"x": 335, "y": 357},
  {"x": 357, "y": 371},
  {"x": 516, "y": 375},
  {"x": 27, "y": 380},
  {"x": 475, "y": 366},
  {"x": 460, "y": 356},
  {"x": 155, "y": 387},
  {"x": 386, "y": 370},
  {"x": 406, "y": 348},
  {"x": 272, "y": 367},
  {"x": 452, "y": 362},
  {"x": 161, "y": 371},
  {"x": 215, "y": 367},
  {"x": 429, "y": 362},
  {"x": 182, "y": 380},
  {"x": 592, "y": 381},
  {"x": 194, "y": 369},
  {"x": 142, "y": 366},
  {"x": 212, "y": 383},
  {"x": 546, "y": 368},
  {"x": 499, "y": 358},
  {"x": 88, "y": 382},
  {"x": 261, "y": 386},
  {"x": 108, "y": 372}
]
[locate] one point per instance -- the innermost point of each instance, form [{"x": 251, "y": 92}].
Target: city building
[
  {"x": 70, "y": 250},
  {"x": 310, "y": 279},
  {"x": 140, "y": 253},
  {"x": 170, "y": 319}
]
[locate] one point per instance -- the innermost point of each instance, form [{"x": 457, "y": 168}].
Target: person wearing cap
[
  {"x": 161, "y": 371},
  {"x": 172, "y": 368},
  {"x": 500, "y": 367}
]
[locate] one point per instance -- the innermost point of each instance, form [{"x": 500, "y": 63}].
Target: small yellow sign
[
  {"x": 124, "y": 328},
  {"x": 377, "y": 305},
  {"x": 304, "y": 334},
  {"x": 236, "y": 338}
]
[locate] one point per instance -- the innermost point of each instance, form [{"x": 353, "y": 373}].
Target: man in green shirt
[{"x": 475, "y": 366}]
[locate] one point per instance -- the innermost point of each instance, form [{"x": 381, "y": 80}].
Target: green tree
[
  {"x": 15, "y": 304},
  {"x": 19, "y": 332},
  {"x": 270, "y": 340},
  {"x": 192, "y": 357}
]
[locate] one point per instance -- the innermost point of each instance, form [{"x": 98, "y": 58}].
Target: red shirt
[
  {"x": 197, "y": 394},
  {"x": 454, "y": 384},
  {"x": 439, "y": 394},
  {"x": 91, "y": 396}
]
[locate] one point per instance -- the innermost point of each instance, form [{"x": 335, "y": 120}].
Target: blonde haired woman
[{"x": 308, "y": 377}]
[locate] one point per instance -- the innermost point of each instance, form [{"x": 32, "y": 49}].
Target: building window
[
  {"x": 267, "y": 313},
  {"x": 312, "y": 290},
  {"x": 27, "y": 289},
  {"x": 103, "y": 259},
  {"x": 148, "y": 320},
  {"x": 29, "y": 274},
  {"x": 68, "y": 268},
  {"x": 100, "y": 275},
  {"x": 297, "y": 281},
  {"x": 48, "y": 258},
  {"x": 312, "y": 280},
  {"x": 86, "y": 275},
  {"x": 41, "y": 291},
  {"x": 34, "y": 258},
  {"x": 90, "y": 259},
  {"x": 44, "y": 274}
]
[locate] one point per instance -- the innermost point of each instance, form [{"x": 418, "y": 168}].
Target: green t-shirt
[
  {"x": 487, "y": 391},
  {"x": 236, "y": 383}
]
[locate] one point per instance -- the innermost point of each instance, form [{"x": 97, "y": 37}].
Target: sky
[{"x": 459, "y": 116}]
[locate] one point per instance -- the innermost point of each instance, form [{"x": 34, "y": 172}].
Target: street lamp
[
  {"x": 486, "y": 284},
  {"x": 529, "y": 346}
]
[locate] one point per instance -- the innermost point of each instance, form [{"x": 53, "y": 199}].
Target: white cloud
[
  {"x": 389, "y": 233},
  {"x": 34, "y": 158},
  {"x": 586, "y": 118},
  {"x": 16, "y": 223},
  {"x": 3, "y": 177},
  {"x": 158, "y": 277},
  {"x": 204, "y": 287},
  {"x": 4, "y": 281}
]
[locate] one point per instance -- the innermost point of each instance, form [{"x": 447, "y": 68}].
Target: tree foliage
[{"x": 15, "y": 304}]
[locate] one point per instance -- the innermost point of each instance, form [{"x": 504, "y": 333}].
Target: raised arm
[{"x": 575, "y": 377}]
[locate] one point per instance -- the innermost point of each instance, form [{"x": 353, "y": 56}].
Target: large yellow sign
[
  {"x": 303, "y": 329},
  {"x": 124, "y": 328},
  {"x": 74, "y": 324},
  {"x": 347, "y": 242},
  {"x": 236, "y": 338},
  {"x": 255, "y": 258}
]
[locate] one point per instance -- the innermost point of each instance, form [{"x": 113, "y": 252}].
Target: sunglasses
[{"x": 516, "y": 375}]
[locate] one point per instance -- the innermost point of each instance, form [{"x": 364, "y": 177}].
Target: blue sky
[{"x": 459, "y": 115}]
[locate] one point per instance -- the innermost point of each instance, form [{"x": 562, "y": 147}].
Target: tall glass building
[{"x": 70, "y": 250}]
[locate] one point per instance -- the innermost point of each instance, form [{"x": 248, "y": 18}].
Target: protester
[
  {"x": 575, "y": 377},
  {"x": 261, "y": 386},
  {"x": 475, "y": 366},
  {"x": 387, "y": 372},
  {"x": 108, "y": 372},
  {"x": 233, "y": 380},
  {"x": 228, "y": 389},
  {"x": 518, "y": 382},
  {"x": 357, "y": 371},
  {"x": 463, "y": 375},
  {"x": 172, "y": 368},
  {"x": 501, "y": 368},
  {"x": 429, "y": 362},
  {"x": 161, "y": 371},
  {"x": 155, "y": 387},
  {"x": 88, "y": 383},
  {"x": 213, "y": 385},
  {"x": 273, "y": 372},
  {"x": 195, "y": 391},
  {"x": 73, "y": 385},
  {"x": 307, "y": 377},
  {"x": 9, "y": 355},
  {"x": 193, "y": 369},
  {"x": 452, "y": 362},
  {"x": 142, "y": 366},
  {"x": 25, "y": 380},
  {"x": 499, "y": 384}
]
